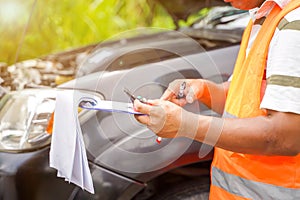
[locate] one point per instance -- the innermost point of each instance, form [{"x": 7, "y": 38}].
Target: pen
[
  {"x": 132, "y": 97},
  {"x": 181, "y": 90},
  {"x": 158, "y": 140},
  {"x": 143, "y": 100}
]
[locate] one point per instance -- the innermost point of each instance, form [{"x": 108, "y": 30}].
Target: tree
[{"x": 57, "y": 25}]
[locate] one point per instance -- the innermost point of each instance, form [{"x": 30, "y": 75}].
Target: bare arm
[
  {"x": 214, "y": 95},
  {"x": 277, "y": 133}
]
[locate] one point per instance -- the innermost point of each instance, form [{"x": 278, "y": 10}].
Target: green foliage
[
  {"x": 194, "y": 17},
  {"x": 58, "y": 25}
]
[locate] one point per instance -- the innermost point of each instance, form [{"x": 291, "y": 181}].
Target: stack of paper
[{"x": 68, "y": 153}]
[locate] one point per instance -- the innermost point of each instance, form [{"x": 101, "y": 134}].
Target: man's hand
[
  {"x": 211, "y": 94},
  {"x": 193, "y": 91},
  {"x": 166, "y": 119}
]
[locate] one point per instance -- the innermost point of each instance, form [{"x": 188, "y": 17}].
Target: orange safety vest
[{"x": 245, "y": 176}]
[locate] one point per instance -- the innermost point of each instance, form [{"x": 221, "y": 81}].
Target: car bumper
[{"x": 28, "y": 176}]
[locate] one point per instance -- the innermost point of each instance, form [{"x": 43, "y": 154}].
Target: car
[{"x": 125, "y": 160}]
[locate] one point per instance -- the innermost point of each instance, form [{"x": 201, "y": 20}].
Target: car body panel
[
  {"x": 28, "y": 176},
  {"x": 150, "y": 48}
]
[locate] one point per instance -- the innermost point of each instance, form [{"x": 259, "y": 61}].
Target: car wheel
[{"x": 191, "y": 190}]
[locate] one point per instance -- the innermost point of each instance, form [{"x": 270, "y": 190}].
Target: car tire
[{"x": 190, "y": 190}]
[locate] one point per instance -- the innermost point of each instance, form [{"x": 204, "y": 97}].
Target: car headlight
[{"x": 25, "y": 119}]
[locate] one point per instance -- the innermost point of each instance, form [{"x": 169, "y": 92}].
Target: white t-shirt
[{"x": 283, "y": 62}]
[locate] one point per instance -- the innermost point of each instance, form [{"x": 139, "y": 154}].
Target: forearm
[
  {"x": 214, "y": 95},
  {"x": 260, "y": 135},
  {"x": 277, "y": 133}
]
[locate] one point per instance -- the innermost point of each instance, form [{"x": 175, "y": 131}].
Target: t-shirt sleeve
[{"x": 283, "y": 68}]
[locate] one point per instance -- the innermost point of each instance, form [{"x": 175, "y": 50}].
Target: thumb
[{"x": 167, "y": 94}]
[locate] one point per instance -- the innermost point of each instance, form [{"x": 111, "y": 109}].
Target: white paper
[{"x": 68, "y": 153}]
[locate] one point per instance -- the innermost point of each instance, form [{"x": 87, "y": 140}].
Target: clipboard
[
  {"x": 68, "y": 152},
  {"x": 107, "y": 106}
]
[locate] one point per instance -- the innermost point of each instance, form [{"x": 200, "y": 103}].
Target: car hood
[{"x": 181, "y": 9}]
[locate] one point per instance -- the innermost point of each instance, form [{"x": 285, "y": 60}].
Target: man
[{"x": 257, "y": 142}]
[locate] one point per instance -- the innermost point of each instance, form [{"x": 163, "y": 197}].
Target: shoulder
[{"x": 291, "y": 21}]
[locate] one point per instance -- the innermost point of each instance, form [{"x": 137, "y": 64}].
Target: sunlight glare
[{"x": 10, "y": 11}]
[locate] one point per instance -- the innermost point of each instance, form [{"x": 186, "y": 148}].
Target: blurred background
[
  {"x": 33, "y": 28},
  {"x": 42, "y": 43}
]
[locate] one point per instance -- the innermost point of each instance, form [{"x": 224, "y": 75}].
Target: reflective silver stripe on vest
[
  {"x": 251, "y": 189},
  {"x": 228, "y": 115}
]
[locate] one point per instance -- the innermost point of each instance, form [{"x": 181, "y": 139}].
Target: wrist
[
  {"x": 189, "y": 125},
  {"x": 203, "y": 93},
  {"x": 204, "y": 89},
  {"x": 209, "y": 129}
]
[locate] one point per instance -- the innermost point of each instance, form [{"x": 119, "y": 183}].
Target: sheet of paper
[{"x": 68, "y": 153}]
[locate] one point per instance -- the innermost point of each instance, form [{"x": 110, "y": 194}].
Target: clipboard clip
[{"x": 87, "y": 103}]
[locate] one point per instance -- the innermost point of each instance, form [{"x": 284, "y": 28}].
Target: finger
[
  {"x": 171, "y": 90},
  {"x": 191, "y": 94},
  {"x": 154, "y": 102},
  {"x": 143, "y": 119},
  {"x": 141, "y": 107},
  {"x": 167, "y": 95},
  {"x": 190, "y": 97},
  {"x": 179, "y": 102}
]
